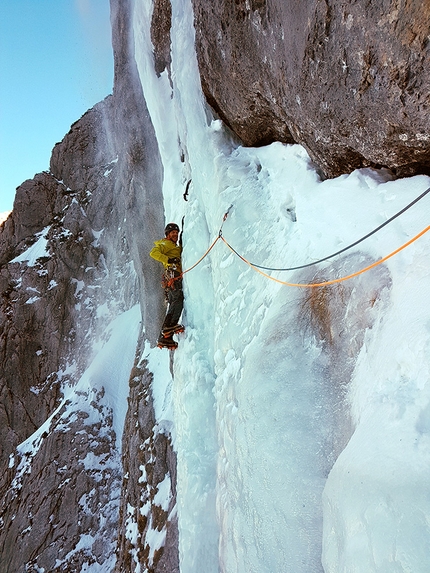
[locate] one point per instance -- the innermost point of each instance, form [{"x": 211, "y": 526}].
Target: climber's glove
[{"x": 174, "y": 261}]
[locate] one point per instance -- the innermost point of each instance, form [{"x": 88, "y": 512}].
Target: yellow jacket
[{"x": 165, "y": 250}]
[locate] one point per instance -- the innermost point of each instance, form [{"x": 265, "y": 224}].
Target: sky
[{"x": 56, "y": 62}]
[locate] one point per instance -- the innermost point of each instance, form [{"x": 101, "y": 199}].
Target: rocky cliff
[
  {"x": 62, "y": 285},
  {"x": 348, "y": 81}
]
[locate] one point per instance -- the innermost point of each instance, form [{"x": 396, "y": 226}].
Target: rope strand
[
  {"x": 172, "y": 280},
  {"x": 352, "y": 244},
  {"x": 201, "y": 258},
  {"x": 326, "y": 283},
  {"x": 313, "y": 285}
]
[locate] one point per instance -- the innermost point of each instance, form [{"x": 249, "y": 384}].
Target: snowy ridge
[
  {"x": 301, "y": 423},
  {"x": 4, "y": 215},
  {"x": 92, "y": 414}
]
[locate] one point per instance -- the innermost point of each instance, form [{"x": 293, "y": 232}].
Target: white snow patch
[
  {"x": 161, "y": 387},
  {"x": 4, "y": 215},
  {"x": 163, "y": 495},
  {"x": 37, "y": 250},
  {"x": 109, "y": 371},
  {"x": 155, "y": 539},
  {"x": 80, "y": 285},
  {"x": 32, "y": 300},
  {"x": 97, "y": 235},
  {"x": 110, "y": 368}
]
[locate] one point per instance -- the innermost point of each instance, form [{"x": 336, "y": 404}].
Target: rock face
[
  {"x": 149, "y": 468},
  {"x": 160, "y": 34},
  {"x": 350, "y": 81}
]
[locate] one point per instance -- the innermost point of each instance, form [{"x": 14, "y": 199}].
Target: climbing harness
[
  {"x": 173, "y": 279},
  {"x": 169, "y": 276},
  {"x": 258, "y": 268}
]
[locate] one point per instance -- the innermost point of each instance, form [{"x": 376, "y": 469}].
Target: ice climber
[{"x": 168, "y": 252}]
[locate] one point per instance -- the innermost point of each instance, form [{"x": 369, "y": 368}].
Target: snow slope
[
  {"x": 301, "y": 416},
  {"x": 95, "y": 406}
]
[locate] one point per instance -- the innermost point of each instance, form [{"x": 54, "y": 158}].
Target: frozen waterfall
[{"x": 301, "y": 417}]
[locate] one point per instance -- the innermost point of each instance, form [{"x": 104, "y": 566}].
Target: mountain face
[
  {"x": 88, "y": 475},
  {"x": 73, "y": 258},
  {"x": 347, "y": 80}
]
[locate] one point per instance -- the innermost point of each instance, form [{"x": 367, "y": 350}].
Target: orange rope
[
  {"x": 302, "y": 285},
  {"x": 201, "y": 258},
  {"x": 173, "y": 279},
  {"x": 326, "y": 283}
]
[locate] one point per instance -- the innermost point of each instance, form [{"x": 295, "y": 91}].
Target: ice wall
[{"x": 271, "y": 383}]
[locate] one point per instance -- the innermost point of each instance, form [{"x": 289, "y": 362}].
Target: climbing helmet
[{"x": 171, "y": 227}]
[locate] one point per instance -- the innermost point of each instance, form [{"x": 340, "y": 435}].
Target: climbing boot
[
  {"x": 167, "y": 342},
  {"x": 171, "y": 330}
]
